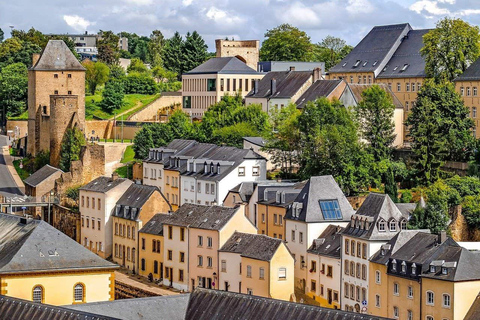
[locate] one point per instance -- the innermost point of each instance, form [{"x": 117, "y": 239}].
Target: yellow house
[
  {"x": 150, "y": 248},
  {"x": 192, "y": 236},
  {"x": 137, "y": 206},
  {"x": 423, "y": 276},
  {"x": 41, "y": 264},
  {"x": 258, "y": 265}
]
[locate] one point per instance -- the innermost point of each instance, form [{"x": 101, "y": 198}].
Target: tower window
[
  {"x": 55, "y": 92},
  {"x": 69, "y": 75},
  {"x": 69, "y": 92},
  {"x": 55, "y": 76}
]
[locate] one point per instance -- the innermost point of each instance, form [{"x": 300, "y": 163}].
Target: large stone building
[
  {"x": 56, "y": 99},
  {"x": 246, "y": 51}
]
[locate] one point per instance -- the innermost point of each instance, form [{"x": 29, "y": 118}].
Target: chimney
[
  {"x": 255, "y": 86},
  {"x": 114, "y": 176},
  {"x": 442, "y": 236},
  {"x": 292, "y": 68},
  {"x": 317, "y": 73},
  {"x": 273, "y": 86},
  {"x": 35, "y": 58}
]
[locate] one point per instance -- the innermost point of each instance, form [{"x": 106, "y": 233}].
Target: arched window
[
  {"x": 133, "y": 255},
  {"x": 133, "y": 233},
  {"x": 128, "y": 253},
  {"x": 404, "y": 224},
  {"x": 381, "y": 226},
  {"x": 79, "y": 292},
  {"x": 38, "y": 294},
  {"x": 124, "y": 234},
  {"x": 393, "y": 225},
  {"x": 116, "y": 250},
  {"x": 430, "y": 298},
  {"x": 116, "y": 228},
  {"x": 128, "y": 231},
  {"x": 143, "y": 264},
  {"x": 352, "y": 268}
]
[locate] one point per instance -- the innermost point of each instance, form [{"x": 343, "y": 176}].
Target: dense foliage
[
  {"x": 286, "y": 43},
  {"x": 73, "y": 140},
  {"x": 331, "y": 51}
]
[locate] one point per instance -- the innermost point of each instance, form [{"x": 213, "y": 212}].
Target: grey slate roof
[
  {"x": 375, "y": 208},
  {"x": 474, "y": 311},
  {"x": 226, "y": 65},
  {"x": 57, "y": 56},
  {"x": 40, "y": 175},
  {"x": 394, "y": 245},
  {"x": 329, "y": 243},
  {"x": 207, "y": 304},
  {"x": 131, "y": 202},
  {"x": 286, "y": 194},
  {"x": 407, "y": 53},
  {"x": 200, "y": 216},
  {"x": 374, "y": 50},
  {"x": 320, "y": 88},
  {"x": 14, "y": 308},
  {"x": 472, "y": 73},
  {"x": 357, "y": 90},
  {"x": 103, "y": 184},
  {"x": 316, "y": 189},
  {"x": 406, "y": 208},
  {"x": 171, "y": 307},
  {"x": 36, "y": 247},
  {"x": 287, "y": 82},
  {"x": 259, "y": 141},
  {"x": 155, "y": 224},
  {"x": 253, "y": 246}
]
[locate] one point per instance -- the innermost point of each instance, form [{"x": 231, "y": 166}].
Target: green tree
[
  {"x": 72, "y": 143},
  {"x": 155, "y": 48},
  {"x": 375, "y": 115},
  {"x": 194, "y": 51},
  {"x": 329, "y": 144},
  {"x": 140, "y": 83},
  {"x": 331, "y": 51},
  {"x": 143, "y": 140},
  {"x": 112, "y": 95},
  {"x": 233, "y": 135},
  {"x": 13, "y": 89},
  {"x": 164, "y": 75},
  {"x": 471, "y": 210},
  {"x": 14, "y": 50},
  {"x": 439, "y": 128},
  {"x": 1, "y": 35},
  {"x": 172, "y": 54},
  {"x": 96, "y": 74},
  {"x": 32, "y": 35},
  {"x": 450, "y": 48},
  {"x": 107, "y": 44},
  {"x": 136, "y": 65},
  {"x": 391, "y": 185},
  {"x": 117, "y": 72},
  {"x": 286, "y": 43}
]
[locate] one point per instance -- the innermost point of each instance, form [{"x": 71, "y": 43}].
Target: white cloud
[
  {"x": 186, "y": 3},
  {"x": 447, "y": 1},
  {"x": 140, "y": 2},
  {"x": 215, "y": 14},
  {"x": 468, "y": 12},
  {"x": 222, "y": 17},
  {"x": 76, "y": 22},
  {"x": 430, "y": 7},
  {"x": 359, "y": 6},
  {"x": 298, "y": 15}
]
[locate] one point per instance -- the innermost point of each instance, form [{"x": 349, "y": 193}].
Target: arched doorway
[{"x": 241, "y": 59}]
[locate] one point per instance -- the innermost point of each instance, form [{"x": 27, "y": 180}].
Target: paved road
[{"x": 8, "y": 188}]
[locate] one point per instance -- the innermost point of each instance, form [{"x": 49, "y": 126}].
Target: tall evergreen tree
[
  {"x": 194, "y": 51},
  {"x": 155, "y": 48},
  {"x": 72, "y": 142},
  {"x": 375, "y": 115},
  {"x": 1, "y": 35},
  {"x": 172, "y": 55}
]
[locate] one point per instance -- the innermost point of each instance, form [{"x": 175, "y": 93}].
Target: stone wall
[
  {"x": 100, "y": 128},
  {"x": 67, "y": 221},
  {"x": 138, "y": 171},
  {"x": 19, "y": 128},
  {"x": 149, "y": 112},
  {"x": 246, "y": 50},
  {"x": 356, "y": 201}
]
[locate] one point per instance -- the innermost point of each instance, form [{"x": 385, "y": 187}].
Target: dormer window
[
  {"x": 367, "y": 225},
  {"x": 405, "y": 66},
  {"x": 393, "y": 226},
  {"x": 394, "y": 265},
  {"x": 381, "y": 226},
  {"x": 205, "y": 167},
  {"x": 365, "y": 63},
  {"x": 283, "y": 197},
  {"x": 382, "y": 252},
  {"x": 356, "y": 64},
  {"x": 211, "y": 168},
  {"x": 277, "y": 197},
  {"x": 362, "y": 224},
  {"x": 218, "y": 168},
  {"x": 404, "y": 267},
  {"x": 444, "y": 270},
  {"x": 178, "y": 163},
  {"x": 357, "y": 223},
  {"x": 432, "y": 269},
  {"x": 404, "y": 225},
  {"x": 343, "y": 65},
  {"x": 375, "y": 63},
  {"x": 414, "y": 269},
  {"x": 395, "y": 69}
]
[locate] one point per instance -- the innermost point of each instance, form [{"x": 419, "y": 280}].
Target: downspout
[
  {"x": 187, "y": 276},
  {"x": 266, "y": 219},
  {"x": 421, "y": 297}
]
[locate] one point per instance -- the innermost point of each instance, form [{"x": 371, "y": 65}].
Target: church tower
[{"x": 56, "y": 99}]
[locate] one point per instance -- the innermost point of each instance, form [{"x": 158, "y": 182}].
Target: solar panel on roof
[{"x": 330, "y": 209}]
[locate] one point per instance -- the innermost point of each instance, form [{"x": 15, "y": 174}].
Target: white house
[{"x": 97, "y": 202}]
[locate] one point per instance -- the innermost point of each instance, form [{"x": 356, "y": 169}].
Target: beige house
[
  {"x": 192, "y": 236},
  {"x": 257, "y": 265},
  {"x": 40, "y": 186},
  {"x": 137, "y": 206},
  {"x": 209, "y": 82},
  {"x": 97, "y": 201}
]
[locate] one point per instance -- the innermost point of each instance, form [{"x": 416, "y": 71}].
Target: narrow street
[{"x": 8, "y": 187}]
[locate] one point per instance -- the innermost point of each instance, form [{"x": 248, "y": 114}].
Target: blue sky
[{"x": 241, "y": 19}]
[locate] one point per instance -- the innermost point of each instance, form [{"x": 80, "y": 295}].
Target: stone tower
[
  {"x": 56, "y": 98},
  {"x": 246, "y": 50}
]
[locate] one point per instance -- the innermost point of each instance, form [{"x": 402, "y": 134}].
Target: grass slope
[{"x": 132, "y": 103}]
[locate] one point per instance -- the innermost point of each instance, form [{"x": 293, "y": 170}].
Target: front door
[{"x": 330, "y": 296}]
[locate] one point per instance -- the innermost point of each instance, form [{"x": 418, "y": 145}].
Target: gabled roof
[
  {"x": 407, "y": 54},
  {"x": 207, "y": 304},
  {"x": 41, "y": 174},
  {"x": 103, "y": 184},
  {"x": 253, "y": 246},
  {"x": 15, "y": 308},
  {"x": 357, "y": 90},
  {"x": 393, "y": 246},
  {"x": 288, "y": 83},
  {"x": 376, "y": 207},
  {"x": 34, "y": 246},
  {"x": 131, "y": 202},
  {"x": 374, "y": 50},
  {"x": 57, "y": 56},
  {"x": 200, "y": 216},
  {"x": 155, "y": 224},
  {"x": 258, "y": 141},
  {"x": 171, "y": 307},
  {"x": 317, "y": 189},
  {"x": 320, "y": 88},
  {"x": 226, "y": 65},
  {"x": 329, "y": 243},
  {"x": 472, "y": 73},
  {"x": 286, "y": 196}
]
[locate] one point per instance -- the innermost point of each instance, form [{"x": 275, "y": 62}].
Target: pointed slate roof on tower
[{"x": 57, "y": 56}]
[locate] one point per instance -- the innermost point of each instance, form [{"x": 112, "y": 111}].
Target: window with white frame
[
  {"x": 381, "y": 226},
  {"x": 430, "y": 298},
  {"x": 212, "y": 188},
  {"x": 249, "y": 271},
  {"x": 241, "y": 171},
  {"x": 393, "y": 225},
  {"x": 255, "y": 171},
  {"x": 377, "y": 301},
  {"x": 207, "y": 188},
  {"x": 200, "y": 261},
  {"x": 209, "y": 262},
  {"x": 377, "y": 277},
  {"x": 395, "y": 312},
  {"x": 224, "y": 265},
  {"x": 200, "y": 241},
  {"x": 409, "y": 315},
  {"x": 209, "y": 242},
  {"x": 396, "y": 289},
  {"x": 262, "y": 273},
  {"x": 446, "y": 300},
  {"x": 282, "y": 273},
  {"x": 410, "y": 292},
  {"x": 38, "y": 294},
  {"x": 79, "y": 292}
]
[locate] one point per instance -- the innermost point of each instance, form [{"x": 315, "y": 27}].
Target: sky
[{"x": 240, "y": 19}]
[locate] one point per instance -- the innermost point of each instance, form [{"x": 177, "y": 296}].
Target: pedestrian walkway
[{"x": 142, "y": 283}]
